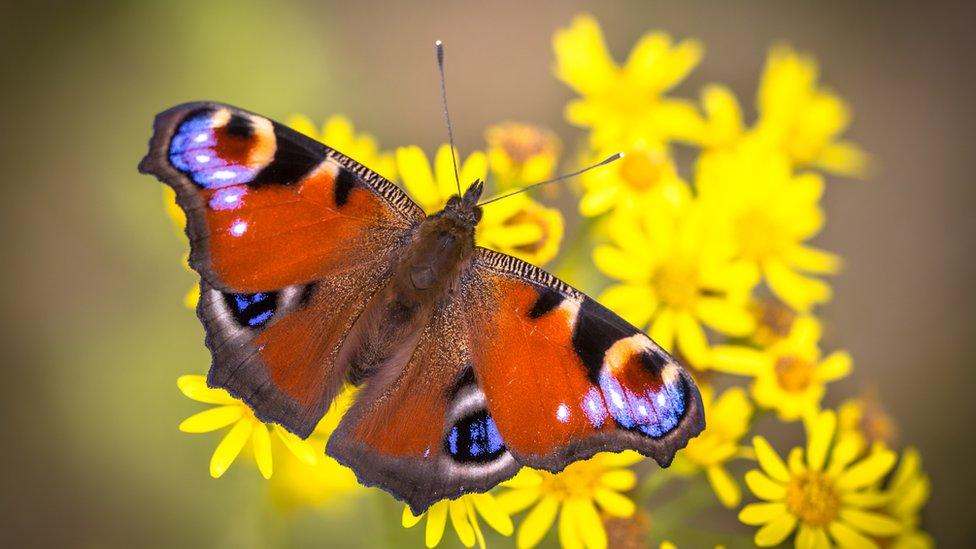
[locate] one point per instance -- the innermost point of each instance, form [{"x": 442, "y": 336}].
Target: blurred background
[{"x": 94, "y": 331}]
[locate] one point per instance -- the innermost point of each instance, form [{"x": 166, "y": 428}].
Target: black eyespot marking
[
  {"x": 596, "y": 330},
  {"x": 474, "y": 439},
  {"x": 238, "y": 126},
  {"x": 291, "y": 160},
  {"x": 252, "y": 310},
  {"x": 548, "y": 300},
  {"x": 344, "y": 184}
]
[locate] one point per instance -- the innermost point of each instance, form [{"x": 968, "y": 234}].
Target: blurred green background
[{"x": 94, "y": 331}]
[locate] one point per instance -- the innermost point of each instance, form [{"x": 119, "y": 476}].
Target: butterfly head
[{"x": 464, "y": 208}]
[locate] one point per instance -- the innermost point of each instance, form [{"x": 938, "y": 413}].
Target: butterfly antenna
[
  {"x": 603, "y": 162},
  {"x": 439, "y": 47}
]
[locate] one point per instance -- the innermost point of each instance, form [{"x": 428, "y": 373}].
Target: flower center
[
  {"x": 793, "y": 373},
  {"x": 643, "y": 170},
  {"x": 758, "y": 234},
  {"x": 520, "y": 142},
  {"x": 677, "y": 283},
  {"x": 812, "y": 498}
]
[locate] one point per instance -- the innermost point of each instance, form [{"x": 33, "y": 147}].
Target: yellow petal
[
  {"x": 616, "y": 264},
  {"x": 819, "y": 438},
  {"x": 537, "y": 523},
  {"x": 755, "y": 514},
  {"x": 436, "y": 521},
  {"x": 475, "y": 167},
  {"x": 798, "y": 291},
  {"x": 845, "y": 451},
  {"x": 525, "y": 478},
  {"x": 262, "y": 450},
  {"x": 514, "y": 501},
  {"x": 303, "y": 124},
  {"x": 867, "y": 471},
  {"x": 461, "y": 522},
  {"x": 845, "y": 158},
  {"x": 417, "y": 178},
  {"x": 808, "y": 537},
  {"x": 409, "y": 520},
  {"x": 725, "y": 316},
  {"x": 869, "y": 522},
  {"x": 621, "y": 480},
  {"x": 634, "y": 302},
  {"x": 738, "y": 360},
  {"x": 613, "y": 503},
  {"x": 848, "y": 537},
  {"x": 867, "y": 499},
  {"x": 493, "y": 513},
  {"x": 598, "y": 200},
  {"x": 691, "y": 339},
  {"x": 300, "y": 448},
  {"x": 195, "y": 387},
  {"x": 662, "y": 329},
  {"x": 569, "y": 537},
  {"x": 813, "y": 260},
  {"x": 229, "y": 448},
  {"x": 582, "y": 59},
  {"x": 725, "y": 487},
  {"x": 835, "y": 366},
  {"x": 588, "y": 523},
  {"x": 774, "y": 532},
  {"x": 212, "y": 419},
  {"x": 769, "y": 460},
  {"x": 764, "y": 487},
  {"x": 794, "y": 461}
]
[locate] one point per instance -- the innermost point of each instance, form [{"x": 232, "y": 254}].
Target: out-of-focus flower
[
  {"x": 520, "y": 154},
  {"x": 517, "y": 225},
  {"x": 627, "y": 532},
  {"x": 674, "y": 275},
  {"x": 866, "y": 419},
  {"x": 769, "y": 214},
  {"x": 774, "y": 320},
  {"x": 338, "y": 132},
  {"x": 823, "y": 493},
  {"x": 645, "y": 180},
  {"x": 906, "y": 494},
  {"x": 574, "y": 495},
  {"x": 802, "y": 119},
  {"x": 728, "y": 421},
  {"x": 244, "y": 426},
  {"x": 624, "y": 104},
  {"x": 790, "y": 376},
  {"x": 325, "y": 484},
  {"x": 723, "y": 125},
  {"x": 463, "y": 512}
]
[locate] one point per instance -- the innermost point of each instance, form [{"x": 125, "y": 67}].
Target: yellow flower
[
  {"x": 339, "y": 133},
  {"x": 517, "y": 225},
  {"x": 866, "y": 419},
  {"x": 723, "y": 126},
  {"x": 728, "y": 421},
  {"x": 323, "y": 484},
  {"x": 769, "y": 214},
  {"x": 574, "y": 495},
  {"x": 463, "y": 513},
  {"x": 645, "y": 179},
  {"x": 521, "y": 154},
  {"x": 802, "y": 119},
  {"x": 674, "y": 275},
  {"x": 244, "y": 426},
  {"x": 623, "y": 104},
  {"x": 790, "y": 376},
  {"x": 907, "y": 493},
  {"x": 822, "y": 493}
]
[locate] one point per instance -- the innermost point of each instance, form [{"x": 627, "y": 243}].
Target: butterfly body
[{"x": 316, "y": 272}]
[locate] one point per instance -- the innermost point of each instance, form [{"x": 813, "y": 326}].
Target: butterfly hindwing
[
  {"x": 424, "y": 433},
  {"x": 564, "y": 377},
  {"x": 290, "y": 237}
]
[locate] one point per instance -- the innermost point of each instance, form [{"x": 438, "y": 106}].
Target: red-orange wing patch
[
  {"x": 268, "y": 207},
  {"x": 566, "y": 378}
]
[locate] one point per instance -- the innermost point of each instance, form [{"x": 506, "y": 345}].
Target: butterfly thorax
[{"x": 388, "y": 330}]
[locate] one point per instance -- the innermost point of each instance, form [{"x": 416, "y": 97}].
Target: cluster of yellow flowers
[{"x": 712, "y": 259}]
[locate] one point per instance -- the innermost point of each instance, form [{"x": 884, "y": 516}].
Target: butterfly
[{"x": 316, "y": 272}]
